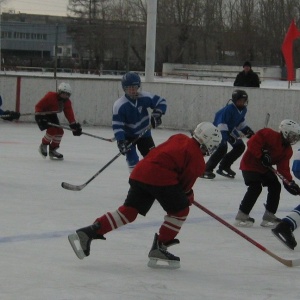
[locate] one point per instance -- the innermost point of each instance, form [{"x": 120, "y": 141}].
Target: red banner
[{"x": 287, "y": 49}]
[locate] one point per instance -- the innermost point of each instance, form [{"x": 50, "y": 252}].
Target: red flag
[{"x": 287, "y": 49}]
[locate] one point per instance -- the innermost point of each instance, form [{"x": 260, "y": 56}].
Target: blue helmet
[{"x": 131, "y": 79}]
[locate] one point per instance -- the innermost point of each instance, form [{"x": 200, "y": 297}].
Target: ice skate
[
  {"x": 159, "y": 257},
  {"x": 269, "y": 220},
  {"x": 284, "y": 233},
  {"x": 81, "y": 240},
  {"x": 208, "y": 175},
  {"x": 43, "y": 150},
  {"x": 226, "y": 172},
  {"x": 243, "y": 220},
  {"x": 53, "y": 154}
]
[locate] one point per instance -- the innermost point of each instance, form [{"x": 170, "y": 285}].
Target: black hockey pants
[
  {"x": 255, "y": 181},
  {"x": 225, "y": 160}
]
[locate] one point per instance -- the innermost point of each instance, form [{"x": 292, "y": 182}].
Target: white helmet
[
  {"x": 290, "y": 131},
  {"x": 64, "y": 88},
  {"x": 207, "y": 135}
]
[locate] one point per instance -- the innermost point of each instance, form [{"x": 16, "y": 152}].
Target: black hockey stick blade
[{"x": 72, "y": 187}]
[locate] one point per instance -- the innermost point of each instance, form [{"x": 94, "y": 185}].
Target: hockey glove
[
  {"x": 156, "y": 118},
  {"x": 248, "y": 132},
  {"x": 266, "y": 159},
  {"x": 190, "y": 196},
  {"x": 293, "y": 188},
  {"x": 123, "y": 146},
  {"x": 11, "y": 115},
  {"x": 76, "y": 129},
  {"x": 42, "y": 122}
]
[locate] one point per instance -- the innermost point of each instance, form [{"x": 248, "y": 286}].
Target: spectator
[{"x": 247, "y": 77}]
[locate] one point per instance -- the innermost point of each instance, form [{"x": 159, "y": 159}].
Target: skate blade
[
  {"x": 75, "y": 243},
  {"x": 243, "y": 223},
  {"x": 156, "y": 263},
  {"x": 268, "y": 224},
  {"x": 55, "y": 158},
  {"x": 225, "y": 175},
  {"x": 282, "y": 240}
]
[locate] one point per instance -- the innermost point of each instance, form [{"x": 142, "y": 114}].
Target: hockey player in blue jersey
[
  {"x": 8, "y": 115},
  {"x": 284, "y": 230},
  {"x": 131, "y": 117},
  {"x": 230, "y": 120}
]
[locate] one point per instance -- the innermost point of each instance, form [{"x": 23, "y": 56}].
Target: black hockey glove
[
  {"x": 248, "y": 132},
  {"x": 11, "y": 115},
  {"x": 123, "y": 146},
  {"x": 266, "y": 159},
  {"x": 190, "y": 196},
  {"x": 76, "y": 129},
  {"x": 293, "y": 188},
  {"x": 156, "y": 118},
  {"x": 42, "y": 122}
]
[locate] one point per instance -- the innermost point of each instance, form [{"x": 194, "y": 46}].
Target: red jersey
[
  {"x": 179, "y": 160},
  {"x": 50, "y": 102},
  {"x": 270, "y": 140}
]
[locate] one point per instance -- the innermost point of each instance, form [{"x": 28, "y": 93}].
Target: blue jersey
[
  {"x": 131, "y": 117},
  {"x": 230, "y": 117}
]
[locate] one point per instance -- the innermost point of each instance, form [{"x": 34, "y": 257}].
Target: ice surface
[{"x": 37, "y": 214}]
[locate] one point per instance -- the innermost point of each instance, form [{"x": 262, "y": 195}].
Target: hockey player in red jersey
[
  {"x": 55, "y": 102},
  {"x": 167, "y": 174},
  {"x": 266, "y": 148}
]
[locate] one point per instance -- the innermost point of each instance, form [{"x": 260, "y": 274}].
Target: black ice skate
[
  {"x": 284, "y": 233},
  {"x": 208, "y": 175},
  {"x": 43, "y": 150},
  {"x": 226, "y": 172},
  {"x": 53, "y": 154},
  {"x": 81, "y": 240},
  {"x": 159, "y": 254}
]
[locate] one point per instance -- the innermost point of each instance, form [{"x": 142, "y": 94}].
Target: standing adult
[{"x": 247, "y": 77}]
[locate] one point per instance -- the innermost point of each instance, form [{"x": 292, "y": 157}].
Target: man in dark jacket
[{"x": 247, "y": 77}]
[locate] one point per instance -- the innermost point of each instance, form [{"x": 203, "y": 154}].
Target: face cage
[
  {"x": 208, "y": 152},
  {"x": 134, "y": 91},
  {"x": 293, "y": 138}
]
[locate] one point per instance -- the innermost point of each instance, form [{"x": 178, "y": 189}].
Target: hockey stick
[
  {"x": 267, "y": 120},
  {"x": 33, "y": 114},
  {"x": 279, "y": 175},
  {"x": 286, "y": 262},
  {"x": 85, "y": 133},
  {"x": 73, "y": 187}
]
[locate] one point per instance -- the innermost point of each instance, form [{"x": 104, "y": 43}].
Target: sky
[
  {"x": 44, "y": 7},
  {"x": 37, "y": 214}
]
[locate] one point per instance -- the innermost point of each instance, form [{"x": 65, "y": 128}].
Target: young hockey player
[
  {"x": 166, "y": 174},
  {"x": 55, "y": 102},
  {"x": 284, "y": 230},
  {"x": 131, "y": 117},
  {"x": 8, "y": 115},
  {"x": 230, "y": 120},
  {"x": 266, "y": 148}
]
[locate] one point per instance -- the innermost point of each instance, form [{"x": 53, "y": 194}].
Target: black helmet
[{"x": 238, "y": 94}]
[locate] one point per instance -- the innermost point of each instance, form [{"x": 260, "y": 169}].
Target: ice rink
[{"x": 37, "y": 214}]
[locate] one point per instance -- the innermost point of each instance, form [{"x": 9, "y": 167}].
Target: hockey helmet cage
[
  {"x": 290, "y": 131},
  {"x": 207, "y": 135},
  {"x": 131, "y": 79},
  {"x": 239, "y": 94},
  {"x": 64, "y": 88}
]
